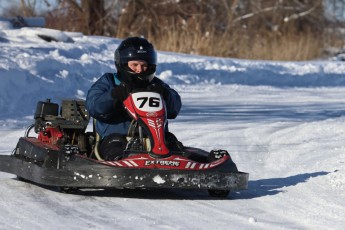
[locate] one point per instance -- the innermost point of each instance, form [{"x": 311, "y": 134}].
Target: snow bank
[{"x": 37, "y": 69}]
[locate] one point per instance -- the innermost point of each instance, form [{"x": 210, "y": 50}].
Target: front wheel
[
  {"x": 68, "y": 190},
  {"x": 22, "y": 179},
  {"x": 217, "y": 154},
  {"x": 218, "y": 193}
]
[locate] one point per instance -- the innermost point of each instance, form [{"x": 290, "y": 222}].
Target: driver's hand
[
  {"x": 161, "y": 89},
  {"x": 120, "y": 92}
]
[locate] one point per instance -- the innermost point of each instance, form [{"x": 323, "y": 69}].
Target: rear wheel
[{"x": 218, "y": 193}]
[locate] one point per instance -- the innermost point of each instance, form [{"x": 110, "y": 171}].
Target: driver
[{"x": 135, "y": 62}]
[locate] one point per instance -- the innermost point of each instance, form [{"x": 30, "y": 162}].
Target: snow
[{"x": 282, "y": 122}]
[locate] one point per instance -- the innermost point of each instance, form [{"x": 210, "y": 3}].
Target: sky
[{"x": 282, "y": 122}]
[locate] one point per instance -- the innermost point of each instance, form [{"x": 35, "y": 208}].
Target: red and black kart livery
[{"x": 64, "y": 155}]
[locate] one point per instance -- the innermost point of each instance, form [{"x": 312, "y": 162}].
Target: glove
[
  {"x": 120, "y": 92},
  {"x": 161, "y": 89}
]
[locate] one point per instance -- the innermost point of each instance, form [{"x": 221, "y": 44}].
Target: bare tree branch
[
  {"x": 302, "y": 14},
  {"x": 249, "y": 15}
]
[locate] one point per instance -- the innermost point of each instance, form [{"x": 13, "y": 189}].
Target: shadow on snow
[
  {"x": 262, "y": 113},
  {"x": 273, "y": 186}
]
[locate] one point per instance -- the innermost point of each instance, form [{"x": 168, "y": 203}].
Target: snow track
[{"x": 296, "y": 166}]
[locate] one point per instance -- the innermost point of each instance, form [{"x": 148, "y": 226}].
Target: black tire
[
  {"x": 68, "y": 190},
  {"x": 217, "y": 154},
  {"x": 22, "y": 179},
  {"x": 219, "y": 193}
]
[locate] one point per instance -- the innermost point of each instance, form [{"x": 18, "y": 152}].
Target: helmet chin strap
[
  {"x": 135, "y": 80},
  {"x": 146, "y": 78},
  {"x": 150, "y": 78}
]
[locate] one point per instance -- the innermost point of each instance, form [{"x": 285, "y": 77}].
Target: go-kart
[{"x": 63, "y": 154}]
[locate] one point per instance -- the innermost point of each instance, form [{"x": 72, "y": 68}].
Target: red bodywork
[
  {"x": 149, "y": 108},
  {"x": 171, "y": 162},
  {"x": 144, "y": 160}
]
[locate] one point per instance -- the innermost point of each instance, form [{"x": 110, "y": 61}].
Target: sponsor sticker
[{"x": 162, "y": 163}]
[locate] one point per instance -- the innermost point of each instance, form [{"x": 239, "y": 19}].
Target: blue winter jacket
[{"x": 110, "y": 115}]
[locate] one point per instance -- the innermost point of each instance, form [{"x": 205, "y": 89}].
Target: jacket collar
[{"x": 116, "y": 80}]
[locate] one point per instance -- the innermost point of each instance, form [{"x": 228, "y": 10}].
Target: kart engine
[{"x": 66, "y": 126}]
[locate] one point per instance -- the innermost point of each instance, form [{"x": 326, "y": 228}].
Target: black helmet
[{"x": 135, "y": 48}]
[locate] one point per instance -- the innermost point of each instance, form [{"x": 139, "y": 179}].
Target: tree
[{"x": 87, "y": 16}]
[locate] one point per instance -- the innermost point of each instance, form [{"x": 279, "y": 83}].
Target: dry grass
[
  {"x": 256, "y": 30},
  {"x": 262, "y": 45},
  {"x": 197, "y": 30},
  {"x": 292, "y": 46}
]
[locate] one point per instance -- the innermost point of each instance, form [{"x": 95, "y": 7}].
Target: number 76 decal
[
  {"x": 153, "y": 101},
  {"x": 147, "y": 101}
]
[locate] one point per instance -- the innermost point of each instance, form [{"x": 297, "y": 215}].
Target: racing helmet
[{"x": 135, "y": 48}]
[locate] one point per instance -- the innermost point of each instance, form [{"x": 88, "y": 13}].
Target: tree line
[{"x": 250, "y": 29}]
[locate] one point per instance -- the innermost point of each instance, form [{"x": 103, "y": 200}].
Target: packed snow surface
[{"x": 282, "y": 122}]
